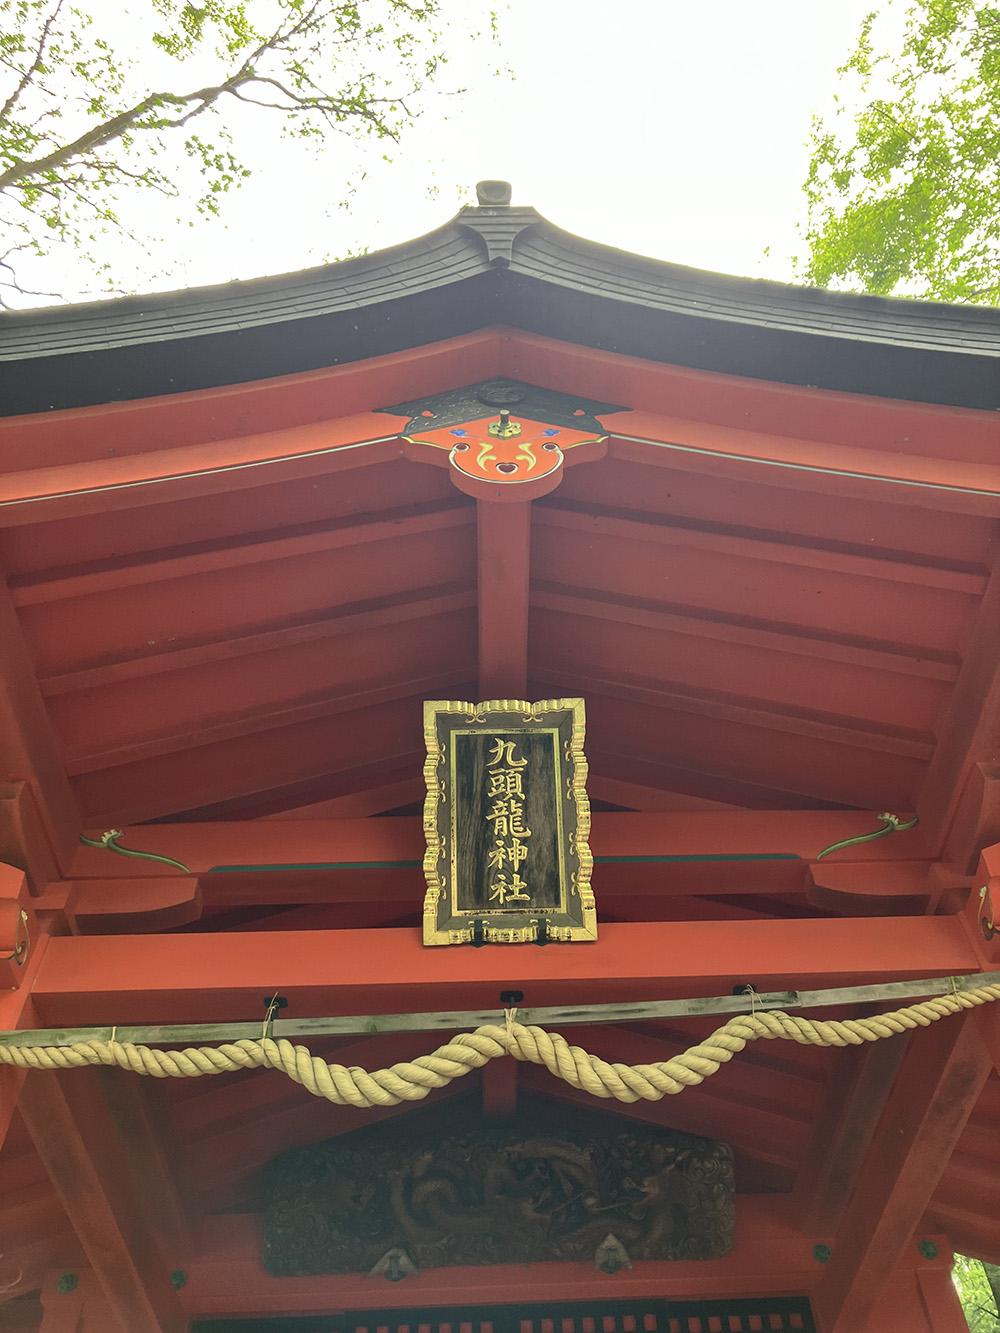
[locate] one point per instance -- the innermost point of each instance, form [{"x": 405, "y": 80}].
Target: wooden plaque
[{"x": 507, "y": 821}]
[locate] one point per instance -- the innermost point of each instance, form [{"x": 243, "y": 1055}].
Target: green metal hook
[
  {"x": 891, "y": 824},
  {"x": 108, "y": 842}
]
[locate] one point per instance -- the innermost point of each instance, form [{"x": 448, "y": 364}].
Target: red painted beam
[
  {"x": 940, "y": 1299},
  {"x": 17, "y": 1011},
  {"x": 504, "y": 558},
  {"x": 988, "y": 1020},
  {"x": 28, "y": 748},
  {"x": 63, "y": 1310},
  {"x": 291, "y": 842},
  {"x": 970, "y": 736},
  {"x": 211, "y": 978},
  {"x": 805, "y": 465},
  {"x": 769, "y": 1254},
  {"x": 234, "y": 411},
  {"x": 82, "y": 1153},
  {"x": 24, "y": 837},
  {"x": 499, "y": 1082},
  {"x": 865, "y": 422},
  {"x": 201, "y": 469},
  {"x": 574, "y": 603},
  {"x": 132, "y": 1116},
  {"x": 731, "y": 401},
  {"x": 366, "y": 895},
  {"x": 941, "y": 1077},
  {"x": 192, "y": 561},
  {"x": 745, "y": 543},
  {"x": 856, "y": 1093}
]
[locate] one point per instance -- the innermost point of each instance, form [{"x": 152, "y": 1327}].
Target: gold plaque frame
[{"x": 449, "y": 918}]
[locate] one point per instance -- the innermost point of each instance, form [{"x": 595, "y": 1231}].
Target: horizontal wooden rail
[{"x": 548, "y": 1017}]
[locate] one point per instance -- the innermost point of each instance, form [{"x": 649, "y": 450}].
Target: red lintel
[
  {"x": 215, "y": 977},
  {"x": 768, "y": 1254}
]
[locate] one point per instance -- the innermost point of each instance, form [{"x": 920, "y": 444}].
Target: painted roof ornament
[{"x": 515, "y": 452}]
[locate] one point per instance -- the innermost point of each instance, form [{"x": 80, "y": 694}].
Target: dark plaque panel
[
  {"x": 507, "y": 821},
  {"x": 533, "y": 1191}
]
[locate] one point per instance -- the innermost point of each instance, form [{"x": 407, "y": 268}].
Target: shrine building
[{"x": 247, "y": 533}]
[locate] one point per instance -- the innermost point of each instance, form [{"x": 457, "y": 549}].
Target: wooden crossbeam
[
  {"x": 195, "y": 559},
  {"x": 768, "y": 1255},
  {"x": 353, "y": 842},
  {"x": 208, "y": 468},
  {"x": 754, "y": 541},
  {"x": 958, "y": 487},
  {"x": 28, "y": 748},
  {"x": 861, "y": 1080},
  {"x": 970, "y": 735},
  {"x": 81, "y": 1147},
  {"x": 939, "y": 1082},
  {"x": 212, "y": 977},
  {"x": 871, "y": 654}
]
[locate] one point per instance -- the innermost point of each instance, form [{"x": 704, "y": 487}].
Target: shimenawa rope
[{"x": 412, "y": 1080}]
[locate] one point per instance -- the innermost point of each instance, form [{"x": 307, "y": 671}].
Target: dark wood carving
[{"x": 532, "y": 1190}]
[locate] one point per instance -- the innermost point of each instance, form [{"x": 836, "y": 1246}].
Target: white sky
[{"x": 671, "y": 129}]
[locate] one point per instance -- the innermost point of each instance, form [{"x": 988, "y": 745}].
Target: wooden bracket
[{"x": 17, "y": 926}]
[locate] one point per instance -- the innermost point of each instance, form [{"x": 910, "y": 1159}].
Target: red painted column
[
  {"x": 937, "y": 1290},
  {"x": 82, "y": 1308},
  {"x": 16, "y": 1007},
  {"x": 504, "y": 559}
]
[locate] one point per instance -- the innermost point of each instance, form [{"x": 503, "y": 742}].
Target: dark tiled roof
[{"x": 497, "y": 266}]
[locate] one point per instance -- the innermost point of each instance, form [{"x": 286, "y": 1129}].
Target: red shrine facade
[{"x": 242, "y": 544}]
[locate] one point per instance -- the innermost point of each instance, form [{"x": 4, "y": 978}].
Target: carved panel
[{"x": 532, "y": 1190}]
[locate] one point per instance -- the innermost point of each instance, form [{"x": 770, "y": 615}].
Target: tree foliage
[
  {"x": 903, "y": 188},
  {"x": 978, "y": 1287},
  {"x": 81, "y": 127}
]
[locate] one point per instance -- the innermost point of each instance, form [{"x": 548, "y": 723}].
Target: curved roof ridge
[
  {"x": 494, "y": 265},
  {"x": 553, "y": 251}
]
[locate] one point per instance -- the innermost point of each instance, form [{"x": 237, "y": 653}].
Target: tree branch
[
  {"x": 119, "y": 125},
  {"x": 30, "y": 73}
]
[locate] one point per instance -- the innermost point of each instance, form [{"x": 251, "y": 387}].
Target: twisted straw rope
[{"x": 410, "y": 1081}]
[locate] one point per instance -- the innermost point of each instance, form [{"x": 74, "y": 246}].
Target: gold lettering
[
  {"x": 504, "y": 782},
  {"x": 511, "y": 853},
  {"x": 502, "y": 748},
  {"x": 507, "y": 815},
  {"x": 509, "y": 891},
  {"x": 505, "y": 788}
]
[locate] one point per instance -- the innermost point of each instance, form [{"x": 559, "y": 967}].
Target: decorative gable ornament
[
  {"x": 507, "y": 821},
  {"x": 503, "y": 440}
]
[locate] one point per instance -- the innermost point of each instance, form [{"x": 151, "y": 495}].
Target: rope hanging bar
[
  {"x": 561, "y": 1016},
  {"x": 413, "y": 1080}
]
